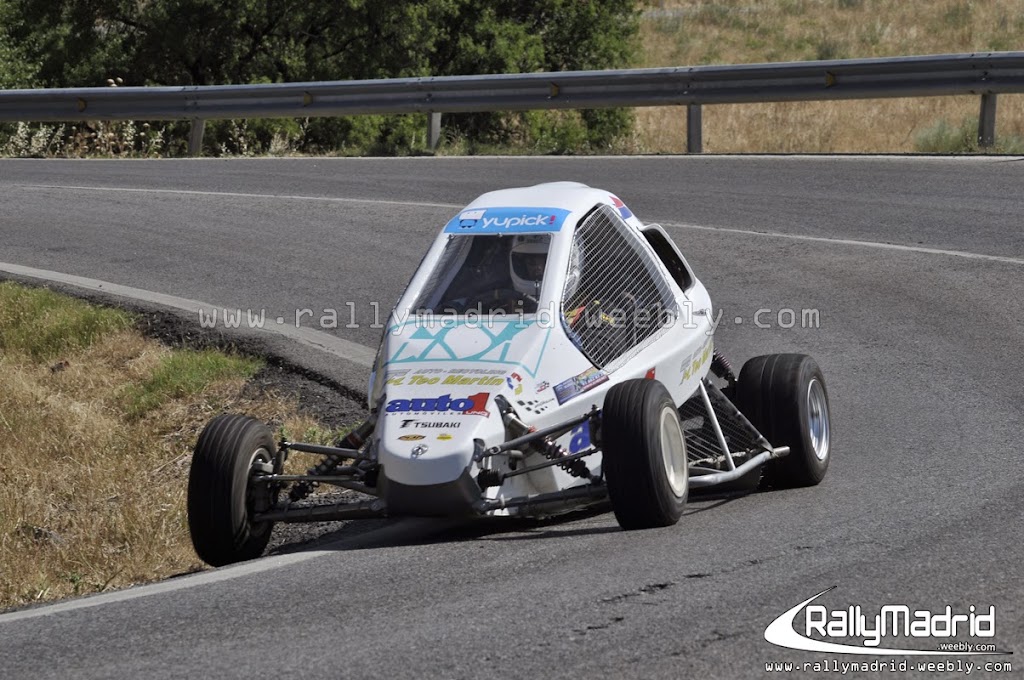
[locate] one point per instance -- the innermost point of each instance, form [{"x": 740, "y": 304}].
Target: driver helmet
[{"x": 527, "y": 259}]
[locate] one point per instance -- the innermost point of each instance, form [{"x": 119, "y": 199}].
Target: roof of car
[
  {"x": 571, "y": 196},
  {"x": 540, "y": 208}
]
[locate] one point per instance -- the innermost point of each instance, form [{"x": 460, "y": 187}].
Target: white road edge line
[
  {"x": 353, "y": 352},
  {"x": 170, "y": 585},
  {"x": 677, "y": 225},
  {"x": 850, "y": 242},
  {"x": 406, "y": 527},
  {"x": 234, "y": 194}
]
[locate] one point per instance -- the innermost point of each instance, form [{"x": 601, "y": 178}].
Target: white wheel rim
[
  {"x": 251, "y": 499},
  {"x": 261, "y": 454},
  {"x": 673, "y": 452},
  {"x": 817, "y": 418}
]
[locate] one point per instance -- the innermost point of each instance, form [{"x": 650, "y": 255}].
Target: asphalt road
[{"x": 920, "y": 339}]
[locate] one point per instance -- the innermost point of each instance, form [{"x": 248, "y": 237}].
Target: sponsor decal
[
  {"x": 853, "y": 630},
  {"x": 507, "y": 220},
  {"x": 488, "y": 381},
  {"x": 515, "y": 383},
  {"x": 691, "y": 365},
  {"x": 469, "y": 343},
  {"x": 623, "y": 210},
  {"x": 579, "y": 438},
  {"x": 536, "y": 405},
  {"x": 457, "y": 379},
  {"x": 473, "y": 405},
  {"x": 543, "y": 386},
  {"x": 411, "y": 437},
  {"x": 472, "y": 215},
  {"x": 578, "y": 384},
  {"x": 444, "y": 437},
  {"x": 471, "y": 370},
  {"x": 422, "y": 345},
  {"x": 426, "y": 424}
]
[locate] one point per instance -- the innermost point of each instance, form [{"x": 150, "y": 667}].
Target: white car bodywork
[
  {"x": 437, "y": 376},
  {"x": 551, "y": 353}
]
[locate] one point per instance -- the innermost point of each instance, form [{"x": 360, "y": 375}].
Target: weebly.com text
[
  {"x": 843, "y": 667},
  {"x": 371, "y": 316}
]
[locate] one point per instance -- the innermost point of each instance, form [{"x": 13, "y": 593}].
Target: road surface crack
[{"x": 645, "y": 590}]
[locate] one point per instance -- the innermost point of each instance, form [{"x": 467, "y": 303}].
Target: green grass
[
  {"x": 93, "y": 496},
  {"x": 43, "y": 325},
  {"x": 946, "y": 138},
  {"x": 313, "y": 433},
  {"x": 183, "y": 374}
]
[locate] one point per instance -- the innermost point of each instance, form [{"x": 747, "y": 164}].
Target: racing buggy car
[{"x": 551, "y": 353}]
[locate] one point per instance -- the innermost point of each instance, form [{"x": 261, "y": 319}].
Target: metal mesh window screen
[{"x": 615, "y": 300}]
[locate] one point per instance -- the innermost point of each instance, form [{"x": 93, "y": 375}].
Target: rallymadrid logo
[{"x": 890, "y": 620}]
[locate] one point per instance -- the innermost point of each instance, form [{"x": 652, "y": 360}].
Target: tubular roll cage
[{"x": 360, "y": 473}]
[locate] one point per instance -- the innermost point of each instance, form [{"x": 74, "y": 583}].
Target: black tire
[
  {"x": 784, "y": 397},
  {"x": 642, "y": 492},
  {"x": 221, "y": 501}
]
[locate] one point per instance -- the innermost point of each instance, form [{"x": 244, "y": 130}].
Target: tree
[
  {"x": 16, "y": 70},
  {"x": 208, "y": 42}
]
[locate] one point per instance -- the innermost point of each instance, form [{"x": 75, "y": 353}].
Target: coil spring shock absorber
[
  {"x": 552, "y": 451},
  {"x": 353, "y": 440},
  {"x": 546, "y": 447},
  {"x": 721, "y": 367}
]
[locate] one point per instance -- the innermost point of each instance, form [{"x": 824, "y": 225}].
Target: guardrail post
[
  {"x": 694, "y": 129},
  {"x": 987, "y": 121},
  {"x": 434, "y": 130},
  {"x": 195, "y": 137}
]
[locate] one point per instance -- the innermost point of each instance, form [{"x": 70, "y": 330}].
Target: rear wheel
[
  {"x": 784, "y": 397},
  {"x": 644, "y": 455},
  {"x": 222, "y": 499}
]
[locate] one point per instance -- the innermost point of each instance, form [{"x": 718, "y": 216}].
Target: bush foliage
[{"x": 76, "y": 43}]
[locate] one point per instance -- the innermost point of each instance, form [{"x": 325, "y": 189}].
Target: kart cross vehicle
[{"x": 551, "y": 353}]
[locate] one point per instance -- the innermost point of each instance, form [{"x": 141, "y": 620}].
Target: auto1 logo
[{"x": 473, "y": 405}]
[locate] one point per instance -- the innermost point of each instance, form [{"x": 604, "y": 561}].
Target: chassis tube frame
[{"x": 716, "y": 478}]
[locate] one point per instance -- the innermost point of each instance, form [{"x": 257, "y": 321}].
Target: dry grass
[
  {"x": 687, "y": 32},
  {"x": 95, "y": 444}
]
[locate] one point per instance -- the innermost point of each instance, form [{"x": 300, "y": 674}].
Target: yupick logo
[
  {"x": 521, "y": 221},
  {"x": 891, "y": 620}
]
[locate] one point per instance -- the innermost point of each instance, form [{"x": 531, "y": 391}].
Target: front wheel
[
  {"x": 644, "y": 455},
  {"x": 222, "y": 499},
  {"x": 784, "y": 397}
]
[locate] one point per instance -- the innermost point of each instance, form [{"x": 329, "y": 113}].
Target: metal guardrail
[{"x": 984, "y": 74}]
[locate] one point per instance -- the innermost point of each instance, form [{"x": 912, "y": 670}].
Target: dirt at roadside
[{"x": 332, "y": 405}]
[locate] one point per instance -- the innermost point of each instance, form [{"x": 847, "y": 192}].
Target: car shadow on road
[
  {"x": 397, "y": 532},
  {"x": 410, "y": 531}
]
